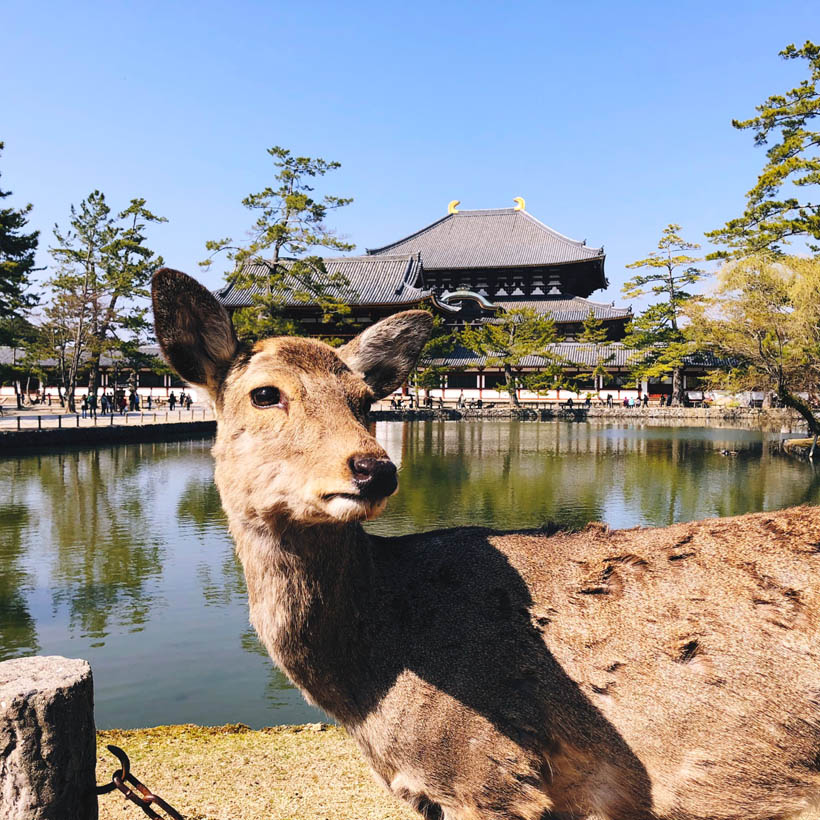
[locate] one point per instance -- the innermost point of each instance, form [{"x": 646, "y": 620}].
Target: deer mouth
[{"x": 353, "y": 506}]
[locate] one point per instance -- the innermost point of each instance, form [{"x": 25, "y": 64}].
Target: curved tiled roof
[
  {"x": 495, "y": 238},
  {"x": 566, "y": 308},
  {"x": 573, "y": 353},
  {"x": 578, "y": 354},
  {"x": 374, "y": 280}
]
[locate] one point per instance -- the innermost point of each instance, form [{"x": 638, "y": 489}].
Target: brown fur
[{"x": 646, "y": 673}]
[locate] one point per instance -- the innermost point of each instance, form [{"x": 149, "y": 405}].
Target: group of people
[
  {"x": 110, "y": 403},
  {"x": 629, "y": 401},
  {"x": 185, "y": 400},
  {"x": 119, "y": 402}
]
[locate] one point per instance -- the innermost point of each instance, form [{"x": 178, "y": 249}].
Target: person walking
[
  {"x": 609, "y": 400},
  {"x": 188, "y": 401},
  {"x": 645, "y": 399},
  {"x": 172, "y": 400},
  {"x": 84, "y": 406},
  {"x": 148, "y": 401},
  {"x": 92, "y": 406}
]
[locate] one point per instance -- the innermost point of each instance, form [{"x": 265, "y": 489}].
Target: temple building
[
  {"x": 468, "y": 265},
  {"x": 478, "y": 263}
]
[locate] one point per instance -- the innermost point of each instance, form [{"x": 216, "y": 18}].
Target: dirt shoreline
[{"x": 312, "y": 772}]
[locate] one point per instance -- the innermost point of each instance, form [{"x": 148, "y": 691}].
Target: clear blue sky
[{"x": 611, "y": 119}]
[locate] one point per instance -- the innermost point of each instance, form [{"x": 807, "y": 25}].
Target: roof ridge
[
  {"x": 578, "y": 242},
  {"x": 363, "y": 257},
  {"x": 374, "y": 251}
]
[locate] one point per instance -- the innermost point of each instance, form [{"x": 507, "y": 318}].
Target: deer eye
[{"x": 268, "y": 397}]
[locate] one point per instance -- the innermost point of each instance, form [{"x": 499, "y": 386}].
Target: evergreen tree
[
  {"x": 429, "y": 371},
  {"x": 657, "y": 332},
  {"x": 19, "y": 334},
  {"x": 289, "y": 223},
  {"x": 508, "y": 339},
  {"x": 17, "y": 251},
  {"x": 763, "y": 323},
  {"x": 793, "y": 159},
  {"x": 595, "y": 335},
  {"x": 103, "y": 267}
]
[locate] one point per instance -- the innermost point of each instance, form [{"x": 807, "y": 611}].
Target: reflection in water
[
  {"x": 18, "y": 635},
  {"x": 510, "y": 475},
  {"x": 106, "y": 553},
  {"x": 121, "y": 555}
]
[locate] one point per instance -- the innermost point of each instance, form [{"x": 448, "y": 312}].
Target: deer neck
[{"x": 309, "y": 590}]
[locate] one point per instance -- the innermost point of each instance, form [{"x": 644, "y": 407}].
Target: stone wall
[
  {"x": 780, "y": 420},
  {"x": 120, "y": 434}
]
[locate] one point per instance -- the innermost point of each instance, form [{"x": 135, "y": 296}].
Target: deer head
[{"x": 292, "y": 437}]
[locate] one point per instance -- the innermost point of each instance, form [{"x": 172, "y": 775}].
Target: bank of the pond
[
  {"x": 52, "y": 437},
  {"x": 768, "y": 419},
  {"x": 800, "y": 447},
  {"x": 312, "y": 772}
]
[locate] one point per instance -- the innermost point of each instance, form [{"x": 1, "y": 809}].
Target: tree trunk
[
  {"x": 508, "y": 376},
  {"x": 94, "y": 376},
  {"x": 678, "y": 399},
  {"x": 795, "y": 403},
  {"x": 18, "y": 394}
]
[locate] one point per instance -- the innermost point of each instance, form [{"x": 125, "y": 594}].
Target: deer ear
[
  {"x": 193, "y": 329},
  {"x": 386, "y": 352}
]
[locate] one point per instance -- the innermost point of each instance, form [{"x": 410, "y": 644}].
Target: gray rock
[{"x": 47, "y": 740}]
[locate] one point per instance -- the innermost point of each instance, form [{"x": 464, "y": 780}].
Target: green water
[{"x": 121, "y": 555}]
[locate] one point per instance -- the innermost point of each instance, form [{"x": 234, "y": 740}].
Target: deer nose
[{"x": 375, "y": 477}]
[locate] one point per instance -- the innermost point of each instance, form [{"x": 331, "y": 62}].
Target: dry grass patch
[{"x": 234, "y": 773}]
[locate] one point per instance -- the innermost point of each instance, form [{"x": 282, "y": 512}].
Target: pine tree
[
  {"x": 763, "y": 324},
  {"x": 17, "y": 250},
  {"x": 508, "y": 339},
  {"x": 794, "y": 160},
  {"x": 657, "y": 332},
  {"x": 430, "y": 371},
  {"x": 289, "y": 223},
  {"x": 595, "y": 334},
  {"x": 103, "y": 267}
]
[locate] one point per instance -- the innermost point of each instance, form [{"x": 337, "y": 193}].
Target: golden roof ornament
[
  {"x": 520, "y": 205},
  {"x": 452, "y": 207}
]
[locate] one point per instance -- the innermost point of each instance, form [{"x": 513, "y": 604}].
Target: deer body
[{"x": 647, "y": 673}]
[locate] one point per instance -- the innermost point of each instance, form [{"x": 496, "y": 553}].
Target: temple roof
[
  {"x": 577, "y": 354},
  {"x": 566, "y": 308},
  {"x": 382, "y": 280},
  {"x": 495, "y": 238}
]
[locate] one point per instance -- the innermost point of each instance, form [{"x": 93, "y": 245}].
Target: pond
[{"x": 121, "y": 555}]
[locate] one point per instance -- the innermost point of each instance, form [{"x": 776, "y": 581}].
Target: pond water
[{"x": 121, "y": 555}]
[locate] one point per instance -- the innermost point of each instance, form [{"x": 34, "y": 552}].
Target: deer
[{"x": 631, "y": 674}]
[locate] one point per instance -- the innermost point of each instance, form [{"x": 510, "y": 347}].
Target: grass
[{"x": 312, "y": 772}]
